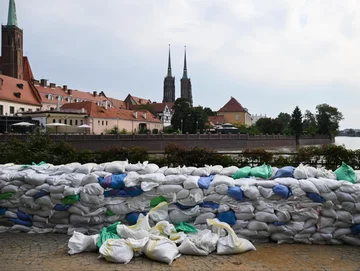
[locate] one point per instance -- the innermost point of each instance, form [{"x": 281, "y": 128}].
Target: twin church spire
[
  {"x": 169, "y": 83},
  {"x": 12, "y": 19}
]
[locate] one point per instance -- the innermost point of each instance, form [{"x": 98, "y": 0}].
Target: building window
[
  {"x": 70, "y": 122},
  {"x": 102, "y": 123},
  {"x": 69, "y": 99},
  {"x": 76, "y": 122},
  {"x": 106, "y": 123},
  {"x": 59, "y": 120},
  {"x": 1, "y": 110},
  {"x": 30, "y": 110},
  {"x": 98, "y": 122},
  {"x": 50, "y": 97},
  {"x": 54, "y": 120},
  {"x": 22, "y": 109},
  {"x": 65, "y": 121},
  {"x": 81, "y": 122},
  {"x": 60, "y": 98},
  {"x": 12, "y": 110},
  {"x": 237, "y": 117}
]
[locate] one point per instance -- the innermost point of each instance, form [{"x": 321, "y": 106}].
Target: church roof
[
  {"x": 19, "y": 91},
  {"x": 12, "y": 19},
  {"x": 232, "y": 106}
]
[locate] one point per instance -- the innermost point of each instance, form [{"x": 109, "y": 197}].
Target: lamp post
[
  {"x": 182, "y": 126},
  {"x": 197, "y": 122},
  {"x": 6, "y": 124},
  {"x": 117, "y": 123}
]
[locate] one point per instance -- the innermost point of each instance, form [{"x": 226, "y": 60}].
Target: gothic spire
[
  {"x": 12, "y": 20},
  {"x": 169, "y": 65},
  {"x": 185, "y": 75}
]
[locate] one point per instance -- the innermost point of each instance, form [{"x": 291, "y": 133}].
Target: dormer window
[
  {"x": 49, "y": 96},
  {"x": 68, "y": 99},
  {"x": 60, "y": 98},
  {"x": 78, "y": 100}
]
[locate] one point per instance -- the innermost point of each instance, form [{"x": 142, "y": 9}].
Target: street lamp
[
  {"x": 182, "y": 126},
  {"x": 6, "y": 125},
  {"x": 197, "y": 122}
]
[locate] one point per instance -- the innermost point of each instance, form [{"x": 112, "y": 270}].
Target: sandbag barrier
[{"x": 261, "y": 204}]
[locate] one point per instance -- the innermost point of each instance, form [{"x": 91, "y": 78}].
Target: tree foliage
[
  {"x": 296, "y": 122},
  {"x": 270, "y": 126},
  {"x": 328, "y": 118},
  {"x": 285, "y": 118}
]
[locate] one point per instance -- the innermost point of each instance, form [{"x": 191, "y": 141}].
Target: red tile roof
[
  {"x": 28, "y": 74},
  {"x": 136, "y": 100},
  {"x": 111, "y": 113},
  {"x": 232, "y": 106},
  {"x": 154, "y": 107},
  {"x": 11, "y": 85},
  {"x": 216, "y": 120},
  {"x": 118, "y": 103}
]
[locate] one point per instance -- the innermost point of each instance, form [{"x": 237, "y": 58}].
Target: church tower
[
  {"x": 186, "y": 91},
  {"x": 12, "y": 46},
  {"x": 169, "y": 84}
]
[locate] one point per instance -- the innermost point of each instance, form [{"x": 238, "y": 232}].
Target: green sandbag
[
  {"x": 263, "y": 171},
  {"x": 70, "y": 199},
  {"x": 345, "y": 173},
  {"x": 6, "y": 195},
  {"x": 242, "y": 173},
  {"x": 112, "y": 227},
  {"x": 185, "y": 227},
  {"x": 109, "y": 213},
  {"x": 155, "y": 201},
  {"x": 108, "y": 233}
]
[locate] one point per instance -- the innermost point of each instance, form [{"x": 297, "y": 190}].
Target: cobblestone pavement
[{"x": 48, "y": 252}]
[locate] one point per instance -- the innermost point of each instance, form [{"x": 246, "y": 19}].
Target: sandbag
[
  {"x": 162, "y": 250},
  {"x": 80, "y": 242},
  {"x": 117, "y": 251},
  {"x": 242, "y": 172},
  {"x": 346, "y": 173}
]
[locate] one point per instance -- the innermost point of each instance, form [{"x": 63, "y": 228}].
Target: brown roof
[
  {"x": 70, "y": 93},
  {"x": 118, "y": 103},
  {"x": 28, "y": 74},
  {"x": 232, "y": 106},
  {"x": 12, "y": 86},
  {"x": 111, "y": 113},
  {"x": 136, "y": 100},
  {"x": 153, "y": 107},
  {"x": 216, "y": 120}
]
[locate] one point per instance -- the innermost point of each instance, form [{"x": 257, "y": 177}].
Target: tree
[
  {"x": 198, "y": 120},
  {"x": 182, "y": 111},
  {"x": 296, "y": 123},
  {"x": 309, "y": 123},
  {"x": 285, "y": 118},
  {"x": 209, "y": 111},
  {"x": 328, "y": 119},
  {"x": 270, "y": 126}
]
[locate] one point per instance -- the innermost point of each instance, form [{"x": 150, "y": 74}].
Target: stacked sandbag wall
[{"x": 262, "y": 204}]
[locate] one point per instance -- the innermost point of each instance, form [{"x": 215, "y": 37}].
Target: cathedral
[{"x": 169, "y": 84}]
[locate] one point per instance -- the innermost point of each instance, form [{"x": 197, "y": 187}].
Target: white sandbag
[
  {"x": 80, "y": 242},
  {"x": 191, "y": 182},
  {"x": 283, "y": 215},
  {"x": 308, "y": 186},
  {"x": 94, "y": 200},
  {"x": 40, "y": 230},
  {"x": 266, "y": 192},
  {"x": 240, "y": 224},
  {"x": 79, "y": 220},
  {"x": 71, "y": 191},
  {"x": 178, "y": 237},
  {"x": 116, "y": 166},
  {"x": 131, "y": 179},
  {"x": 221, "y": 189},
  {"x": 177, "y": 216},
  {"x": 229, "y": 171},
  {"x": 344, "y": 216},
  {"x": 348, "y": 187},
  {"x": 35, "y": 178},
  {"x": 152, "y": 177},
  {"x": 45, "y": 201},
  {"x": 202, "y": 171},
  {"x": 175, "y": 179},
  {"x": 102, "y": 174},
  {"x": 201, "y": 219},
  {"x": 20, "y": 228},
  {"x": 162, "y": 250},
  {"x": 300, "y": 172},
  {"x": 94, "y": 189},
  {"x": 138, "y": 231},
  {"x": 266, "y": 217},
  {"x": 116, "y": 251},
  {"x": 188, "y": 247},
  {"x": 251, "y": 192},
  {"x": 244, "y": 207},
  {"x": 344, "y": 197},
  {"x": 85, "y": 168},
  {"x": 184, "y": 193},
  {"x": 329, "y": 196},
  {"x": 160, "y": 212},
  {"x": 163, "y": 228},
  {"x": 255, "y": 225},
  {"x": 223, "y": 208},
  {"x": 350, "y": 240},
  {"x": 244, "y": 216},
  {"x": 329, "y": 213},
  {"x": 187, "y": 170},
  {"x": 216, "y": 169},
  {"x": 134, "y": 167},
  {"x": 172, "y": 171},
  {"x": 169, "y": 189},
  {"x": 222, "y": 179},
  {"x": 148, "y": 186},
  {"x": 230, "y": 244},
  {"x": 10, "y": 189},
  {"x": 324, "y": 173},
  {"x": 149, "y": 168}
]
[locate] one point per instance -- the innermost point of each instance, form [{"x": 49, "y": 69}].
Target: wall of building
[
  {"x": 233, "y": 117},
  {"x": 100, "y": 125},
  {"x": 17, "y": 107}
]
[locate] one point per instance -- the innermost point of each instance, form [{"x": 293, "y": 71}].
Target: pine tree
[{"x": 296, "y": 123}]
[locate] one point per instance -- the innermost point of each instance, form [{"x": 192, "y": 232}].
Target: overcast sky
[{"x": 269, "y": 55}]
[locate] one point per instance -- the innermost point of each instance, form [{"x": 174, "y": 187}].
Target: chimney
[
  {"x": 65, "y": 87},
  {"x": 52, "y": 85},
  {"x": 1, "y": 83},
  {"x": 70, "y": 91},
  {"x": 95, "y": 93},
  {"x": 43, "y": 82}
]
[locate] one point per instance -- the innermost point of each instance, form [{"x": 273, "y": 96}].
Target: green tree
[
  {"x": 209, "y": 111},
  {"x": 181, "y": 119},
  {"x": 285, "y": 119},
  {"x": 198, "y": 120},
  {"x": 113, "y": 131},
  {"x": 309, "y": 123},
  {"x": 296, "y": 123},
  {"x": 328, "y": 118},
  {"x": 270, "y": 126}
]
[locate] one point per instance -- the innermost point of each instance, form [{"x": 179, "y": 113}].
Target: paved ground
[{"x": 49, "y": 252}]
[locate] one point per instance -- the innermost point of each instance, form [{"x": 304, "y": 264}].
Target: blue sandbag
[
  {"x": 3, "y": 210},
  {"x": 285, "y": 172},
  {"x": 40, "y": 194},
  {"x": 209, "y": 204},
  {"x": 315, "y": 197},
  {"x": 133, "y": 217},
  {"x": 236, "y": 193},
  {"x": 24, "y": 216},
  {"x": 227, "y": 217},
  {"x": 355, "y": 229},
  {"x": 62, "y": 207},
  {"x": 127, "y": 192},
  {"x": 183, "y": 207},
  {"x": 133, "y": 191},
  {"x": 21, "y": 222},
  {"x": 115, "y": 181},
  {"x": 204, "y": 182},
  {"x": 277, "y": 223},
  {"x": 282, "y": 191}
]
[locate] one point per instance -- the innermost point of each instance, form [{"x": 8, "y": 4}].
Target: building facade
[
  {"x": 185, "y": 82},
  {"x": 234, "y": 113},
  {"x": 169, "y": 84}
]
